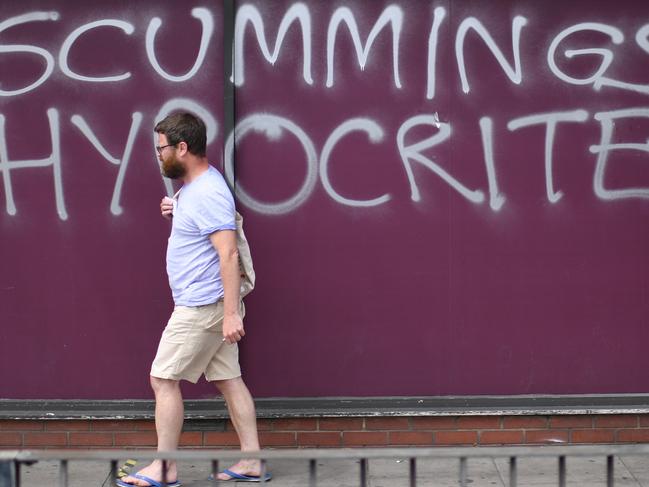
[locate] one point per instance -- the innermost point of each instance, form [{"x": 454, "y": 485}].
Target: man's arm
[{"x": 225, "y": 243}]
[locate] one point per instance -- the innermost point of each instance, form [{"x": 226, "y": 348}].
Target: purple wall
[{"x": 502, "y": 250}]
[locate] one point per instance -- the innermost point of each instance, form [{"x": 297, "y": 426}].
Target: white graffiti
[
  {"x": 550, "y": 120},
  {"x": 414, "y": 152},
  {"x": 392, "y": 15},
  {"x": 605, "y": 146},
  {"x": 375, "y": 134},
  {"x": 420, "y": 145},
  {"x": 207, "y": 23},
  {"x": 515, "y": 74},
  {"x": 248, "y": 13},
  {"x": 496, "y": 198},
  {"x": 438, "y": 16},
  {"x": 273, "y": 127},
  {"x": 597, "y": 79},
  {"x": 410, "y": 152},
  {"x": 12, "y": 48},
  {"x": 74, "y": 35},
  {"x": 54, "y": 160},
  {"x": 607, "y": 55},
  {"x": 81, "y": 124},
  {"x": 642, "y": 38}
]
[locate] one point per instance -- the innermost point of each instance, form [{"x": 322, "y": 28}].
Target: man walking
[{"x": 207, "y": 322}]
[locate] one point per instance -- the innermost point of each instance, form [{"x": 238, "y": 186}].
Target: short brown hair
[{"x": 184, "y": 127}]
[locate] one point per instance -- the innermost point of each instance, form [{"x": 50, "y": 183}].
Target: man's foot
[
  {"x": 152, "y": 472},
  {"x": 249, "y": 468}
]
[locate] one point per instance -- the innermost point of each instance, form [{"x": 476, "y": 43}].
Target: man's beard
[{"x": 172, "y": 169}]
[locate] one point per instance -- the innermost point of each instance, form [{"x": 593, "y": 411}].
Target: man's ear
[{"x": 182, "y": 147}]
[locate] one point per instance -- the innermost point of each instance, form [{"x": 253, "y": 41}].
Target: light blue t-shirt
[{"x": 203, "y": 206}]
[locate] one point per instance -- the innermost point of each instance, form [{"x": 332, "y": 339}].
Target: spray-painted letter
[
  {"x": 49, "y": 59},
  {"x": 602, "y": 150},
  {"x": 391, "y": 15},
  {"x": 496, "y": 198},
  {"x": 550, "y": 120},
  {"x": 53, "y": 160},
  {"x": 514, "y": 74},
  {"x": 249, "y": 13},
  {"x": 78, "y": 120},
  {"x": 440, "y": 13},
  {"x": 597, "y": 79},
  {"x": 375, "y": 133},
  {"x": 207, "y": 22},
  {"x": 274, "y": 127},
  {"x": 414, "y": 152}
]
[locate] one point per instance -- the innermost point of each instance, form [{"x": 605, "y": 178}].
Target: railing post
[
  {"x": 463, "y": 473},
  {"x": 113, "y": 472},
  {"x": 363, "y": 472},
  {"x": 513, "y": 472},
  {"x": 7, "y": 474},
  {"x": 609, "y": 471},
  {"x": 312, "y": 473},
  {"x": 63, "y": 473},
  {"x": 215, "y": 471},
  {"x": 413, "y": 472},
  {"x": 562, "y": 471}
]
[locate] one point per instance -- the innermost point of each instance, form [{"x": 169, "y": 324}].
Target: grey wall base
[{"x": 337, "y": 407}]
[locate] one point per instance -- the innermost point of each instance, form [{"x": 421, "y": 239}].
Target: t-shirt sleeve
[{"x": 215, "y": 211}]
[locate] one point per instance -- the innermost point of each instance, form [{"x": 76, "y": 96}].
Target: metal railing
[{"x": 11, "y": 461}]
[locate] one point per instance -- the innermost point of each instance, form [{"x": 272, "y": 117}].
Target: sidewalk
[{"x": 533, "y": 472}]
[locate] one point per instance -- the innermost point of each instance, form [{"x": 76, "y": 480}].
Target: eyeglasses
[{"x": 160, "y": 148}]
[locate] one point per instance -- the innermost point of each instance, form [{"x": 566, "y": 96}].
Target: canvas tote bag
[{"x": 245, "y": 259}]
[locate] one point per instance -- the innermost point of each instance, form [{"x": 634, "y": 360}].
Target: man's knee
[
  {"x": 228, "y": 385},
  {"x": 160, "y": 385}
]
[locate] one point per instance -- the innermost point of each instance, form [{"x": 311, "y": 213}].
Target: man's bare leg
[
  {"x": 242, "y": 413},
  {"x": 169, "y": 415}
]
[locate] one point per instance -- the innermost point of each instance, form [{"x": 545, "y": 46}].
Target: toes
[{"x": 134, "y": 481}]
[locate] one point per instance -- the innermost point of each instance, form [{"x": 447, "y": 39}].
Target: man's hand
[
  {"x": 167, "y": 207},
  {"x": 233, "y": 328}
]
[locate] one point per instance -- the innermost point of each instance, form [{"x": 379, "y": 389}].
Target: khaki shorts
[{"x": 192, "y": 344}]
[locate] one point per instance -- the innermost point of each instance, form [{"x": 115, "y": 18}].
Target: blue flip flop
[
  {"x": 237, "y": 477},
  {"x": 152, "y": 483}
]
